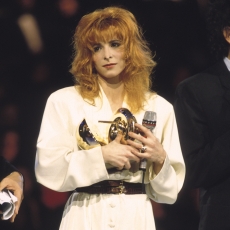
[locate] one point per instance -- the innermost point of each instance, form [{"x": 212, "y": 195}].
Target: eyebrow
[
  {"x": 96, "y": 44},
  {"x": 114, "y": 40}
]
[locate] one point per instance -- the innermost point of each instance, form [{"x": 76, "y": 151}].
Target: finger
[
  {"x": 120, "y": 168},
  {"x": 134, "y": 144},
  {"x": 19, "y": 196},
  {"x": 118, "y": 138},
  {"x": 133, "y": 155},
  {"x": 7, "y": 183},
  {"x": 141, "y": 127},
  {"x": 127, "y": 165},
  {"x": 13, "y": 218},
  {"x": 135, "y": 158},
  {"x": 139, "y": 155},
  {"x": 17, "y": 205},
  {"x": 137, "y": 137},
  {"x": 18, "y": 192},
  {"x": 143, "y": 130},
  {"x": 2, "y": 186}
]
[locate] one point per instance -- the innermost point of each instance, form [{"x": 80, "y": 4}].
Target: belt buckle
[{"x": 119, "y": 189}]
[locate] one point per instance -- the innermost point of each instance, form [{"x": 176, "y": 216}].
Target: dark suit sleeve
[
  {"x": 5, "y": 168},
  {"x": 206, "y": 151}
]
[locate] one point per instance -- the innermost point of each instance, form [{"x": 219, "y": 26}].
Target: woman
[{"x": 112, "y": 67}]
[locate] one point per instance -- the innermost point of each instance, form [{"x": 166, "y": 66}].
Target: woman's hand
[
  {"x": 119, "y": 155},
  {"x": 14, "y": 183},
  {"x": 154, "y": 150}
]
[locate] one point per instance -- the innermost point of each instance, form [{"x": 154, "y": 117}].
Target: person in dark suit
[
  {"x": 202, "y": 107},
  {"x": 12, "y": 180}
]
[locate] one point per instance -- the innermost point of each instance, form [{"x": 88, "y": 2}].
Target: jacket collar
[
  {"x": 224, "y": 76},
  {"x": 100, "y": 111},
  {"x": 220, "y": 69}
]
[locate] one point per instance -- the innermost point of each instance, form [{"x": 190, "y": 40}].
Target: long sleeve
[
  {"x": 60, "y": 165},
  {"x": 203, "y": 118},
  {"x": 5, "y": 168},
  {"x": 165, "y": 186}
]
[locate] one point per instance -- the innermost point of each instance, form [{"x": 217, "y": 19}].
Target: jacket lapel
[
  {"x": 221, "y": 70},
  {"x": 95, "y": 113}
]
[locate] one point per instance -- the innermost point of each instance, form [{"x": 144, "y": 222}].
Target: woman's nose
[{"x": 107, "y": 54}]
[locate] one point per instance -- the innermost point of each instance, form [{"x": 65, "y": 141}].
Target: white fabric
[
  {"x": 62, "y": 166},
  {"x": 7, "y": 203},
  {"x": 227, "y": 63}
]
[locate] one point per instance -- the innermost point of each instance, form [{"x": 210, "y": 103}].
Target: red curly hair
[{"x": 103, "y": 25}]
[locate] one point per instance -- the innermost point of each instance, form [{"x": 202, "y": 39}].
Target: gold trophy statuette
[{"x": 124, "y": 123}]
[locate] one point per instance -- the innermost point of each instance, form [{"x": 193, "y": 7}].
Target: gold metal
[
  {"x": 119, "y": 189},
  {"x": 123, "y": 123},
  {"x": 123, "y": 126}
]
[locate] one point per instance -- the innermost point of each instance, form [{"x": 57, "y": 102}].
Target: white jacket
[{"x": 62, "y": 166}]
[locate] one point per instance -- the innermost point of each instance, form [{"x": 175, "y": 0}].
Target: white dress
[{"x": 62, "y": 166}]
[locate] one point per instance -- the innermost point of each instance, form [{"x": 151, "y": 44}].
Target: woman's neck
[{"x": 114, "y": 92}]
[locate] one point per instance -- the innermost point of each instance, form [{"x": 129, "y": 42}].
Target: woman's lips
[{"x": 109, "y": 65}]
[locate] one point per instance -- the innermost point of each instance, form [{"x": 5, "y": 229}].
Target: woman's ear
[{"x": 226, "y": 33}]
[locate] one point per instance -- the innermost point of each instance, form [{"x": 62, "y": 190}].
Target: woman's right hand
[{"x": 119, "y": 155}]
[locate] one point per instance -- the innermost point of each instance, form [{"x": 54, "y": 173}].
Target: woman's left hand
[{"x": 154, "y": 151}]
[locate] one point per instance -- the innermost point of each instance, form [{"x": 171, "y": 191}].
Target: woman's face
[{"x": 108, "y": 59}]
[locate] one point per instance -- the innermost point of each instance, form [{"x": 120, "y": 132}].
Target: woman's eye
[
  {"x": 96, "y": 48},
  {"x": 115, "y": 44}
]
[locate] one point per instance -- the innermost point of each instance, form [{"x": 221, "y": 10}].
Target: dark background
[{"x": 176, "y": 33}]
